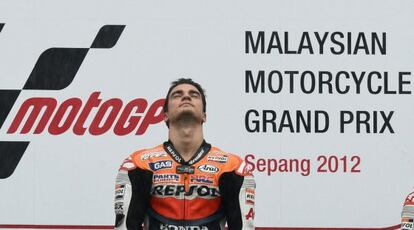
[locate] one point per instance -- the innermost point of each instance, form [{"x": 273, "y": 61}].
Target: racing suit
[
  {"x": 157, "y": 189},
  {"x": 407, "y": 215}
]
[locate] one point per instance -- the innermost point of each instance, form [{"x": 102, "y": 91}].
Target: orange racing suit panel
[{"x": 156, "y": 189}]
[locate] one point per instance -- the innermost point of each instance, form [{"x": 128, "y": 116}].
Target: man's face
[{"x": 185, "y": 102}]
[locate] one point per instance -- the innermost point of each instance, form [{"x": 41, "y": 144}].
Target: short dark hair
[{"x": 185, "y": 81}]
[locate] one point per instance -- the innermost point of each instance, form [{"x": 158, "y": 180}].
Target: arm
[
  {"x": 132, "y": 193},
  {"x": 407, "y": 215},
  {"x": 237, "y": 191}
]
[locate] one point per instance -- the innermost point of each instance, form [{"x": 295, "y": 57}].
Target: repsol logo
[
  {"x": 71, "y": 115},
  {"x": 178, "y": 191},
  {"x": 175, "y": 227}
]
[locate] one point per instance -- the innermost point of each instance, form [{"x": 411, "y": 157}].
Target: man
[
  {"x": 184, "y": 183},
  {"x": 407, "y": 215}
]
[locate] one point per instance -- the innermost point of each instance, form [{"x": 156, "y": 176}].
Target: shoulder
[
  {"x": 410, "y": 199},
  {"x": 232, "y": 161},
  {"x": 219, "y": 155},
  {"x": 142, "y": 157},
  {"x": 146, "y": 154}
]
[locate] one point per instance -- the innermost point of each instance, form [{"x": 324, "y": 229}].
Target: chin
[{"x": 188, "y": 116}]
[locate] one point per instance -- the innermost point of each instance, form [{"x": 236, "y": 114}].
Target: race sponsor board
[{"x": 315, "y": 97}]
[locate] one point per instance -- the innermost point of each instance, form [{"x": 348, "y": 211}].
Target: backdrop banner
[{"x": 316, "y": 96}]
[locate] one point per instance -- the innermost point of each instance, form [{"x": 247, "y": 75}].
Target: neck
[{"x": 186, "y": 138}]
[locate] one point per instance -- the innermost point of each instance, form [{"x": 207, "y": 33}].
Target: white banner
[{"x": 316, "y": 96}]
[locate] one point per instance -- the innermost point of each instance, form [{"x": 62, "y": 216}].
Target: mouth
[{"x": 186, "y": 104}]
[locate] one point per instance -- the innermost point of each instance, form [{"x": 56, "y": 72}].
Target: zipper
[
  {"x": 186, "y": 185},
  {"x": 185, "y": 192}
]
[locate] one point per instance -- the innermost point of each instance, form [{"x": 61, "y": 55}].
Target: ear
[
  {"x": 204, "y": 117},
  {"x": 165, "y": 117}
]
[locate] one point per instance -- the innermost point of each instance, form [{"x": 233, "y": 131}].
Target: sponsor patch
[
  {"x": 181, "y": 169},
  {"x": 208, "y": 168},
  {"x": 199, "y": 179},
  {"x": 147, "y": 156},
  {"x": 407, "y": 225},
  {"x": 250, "y": 196},
  {"x": 219, "y": 159},
  {"x": 119, "y": 191},
  {"x": 160, "y": 165},
  {"x": 119, "y": 208},
  {"x": 178, "y": 191},
  {"x": 176, "y": 227},
  {"x": 250, "y": 214},
  {"x": 160, "y": 178}
]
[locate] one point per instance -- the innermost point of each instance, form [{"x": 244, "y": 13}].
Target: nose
[{"x": 186, "y": 97}]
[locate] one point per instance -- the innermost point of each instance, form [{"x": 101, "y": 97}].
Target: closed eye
[
  {"x": 194, "y": 94},
  {"x": 177, "y": 93}
]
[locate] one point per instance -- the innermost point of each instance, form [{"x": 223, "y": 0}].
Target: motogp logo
[{"x": 55, "y": 69}]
